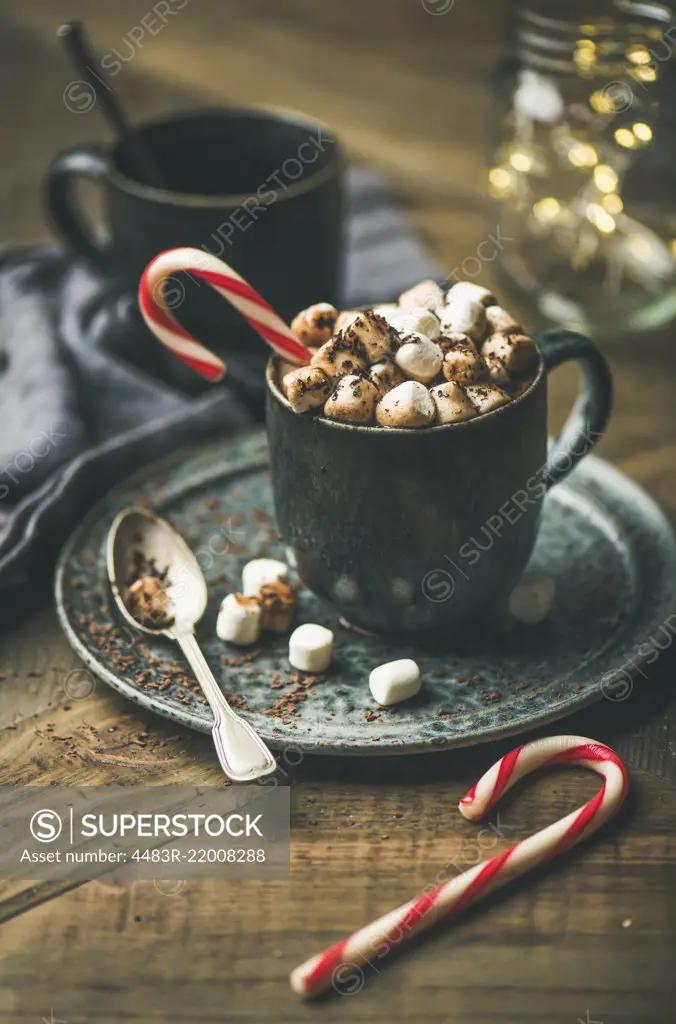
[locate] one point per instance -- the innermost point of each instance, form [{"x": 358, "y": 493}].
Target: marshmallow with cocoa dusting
[
  {"x": 464, "y": 316},
  {"x": 277, "y": 601},
  {"x": 306, "y": 388},
  {"x": 426, "y": 293},
  {"x": 353, "y": 400},
  {"x": 453, "y": 405},
  {"x": 470, "y": 290},
  {"x": 462, "y": 361},
  {"x": 396, "y": 317},
  {"x": 259, "y": 571},
  {"x": 239, "y": 619},
  {"x": 339, "y": 356},
  {"x": 496, "y": 371},
  {"x": 385, "y": 375},
  {"x": 499, "y": 320},
  {"x": 409, "y": 405},
  {"x": 315, "y": 325},
  {"x": 372, "y": 333},
  {"x": 419, "y": 357},
  {"x": 345, "y": 320},
  {"x": 516, "y": 351},
  {"x": 486, "y": 397}
]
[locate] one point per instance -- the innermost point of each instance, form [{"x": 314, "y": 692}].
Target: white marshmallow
[
  {"x": 396, "y": 317},
  {"x": 306, "y": 387},
  {"x": 499, "y": 319},
  {"x": 311, "y": 647},
  {"x": 426, "y": 293},
  {"x": 408, "y": 405},
  {"x": 486, "y": 397},
  {"x": 259, "y": 571},
  {"x": 385, "y": 375},
  {"x": 462, "y": 362},
  {"x": 464, "y": 316},
  {"x": 516, "y": 351},
  {"x": 239, "y": 620},
  {"x": 374, "y": 334},
  {"x": 469, "y": 290},
  {"x": 339, "y": 356},
  {"x": 453, "y": 405},
  {"x": 531, "y": 600},
  {"x": 395, "y": 681},
  {"x": 419, "y": 357},
  {"x": 422, "y": 321},
  {"x": 353, "y": 400},
  {"x": 315, "y": 325}
]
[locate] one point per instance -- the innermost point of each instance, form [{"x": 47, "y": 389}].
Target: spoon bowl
[{"x": 142, "y": 546}]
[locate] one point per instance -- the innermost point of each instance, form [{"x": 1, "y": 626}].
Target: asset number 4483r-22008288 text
[{"x": 227, "y": 855}]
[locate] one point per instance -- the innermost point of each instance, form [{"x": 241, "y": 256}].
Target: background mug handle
[
  {"x": 590, "y": 414},
  {"x": 63, "y": 208}
]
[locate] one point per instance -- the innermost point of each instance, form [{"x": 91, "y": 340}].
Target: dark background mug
[
  {"x": 261, "y": 188},
  {"x": 397, "y": 528}
]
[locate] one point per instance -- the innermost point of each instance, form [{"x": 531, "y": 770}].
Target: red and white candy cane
[
  {"x": 157, "y": 312},
  {"x": 378, "y": 938}
]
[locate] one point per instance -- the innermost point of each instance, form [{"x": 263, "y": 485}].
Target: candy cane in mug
[
  {"x": 158, "y": 315},
  {"x": 379, "y": 937}
]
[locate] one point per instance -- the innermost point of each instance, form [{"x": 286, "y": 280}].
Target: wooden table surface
[{"x": 591, "y": 938}]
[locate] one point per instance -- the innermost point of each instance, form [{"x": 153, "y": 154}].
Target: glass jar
[{"x": 583, "y": 172}]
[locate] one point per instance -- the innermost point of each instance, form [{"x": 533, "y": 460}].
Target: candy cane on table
[
  {"x": 379, "y": 937},
  {"x": 227, "y": 282}
]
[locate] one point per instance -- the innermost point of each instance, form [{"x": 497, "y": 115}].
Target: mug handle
[
  {"x": 590, "y": 414},
  {"x": 63, "y": 208}
]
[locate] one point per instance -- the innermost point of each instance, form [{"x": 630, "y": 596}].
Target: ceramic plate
[{"x": 607, "y": 545}]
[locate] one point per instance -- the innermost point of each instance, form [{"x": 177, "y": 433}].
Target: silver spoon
[{"x": 137, "y": 536}]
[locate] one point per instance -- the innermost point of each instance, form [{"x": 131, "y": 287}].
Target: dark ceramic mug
[
  {"x": 423, "y": 531},
  {"x": 260, "y": 188}
]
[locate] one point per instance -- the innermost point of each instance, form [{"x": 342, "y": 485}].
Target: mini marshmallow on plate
[
  {"x": 419, "y": 357},
  {"x": 239, "y": 620},
  {"x": 259, "y": 571},
  {"x": 408, "y": 405},
  {"x": 311, "y": 647},
  {"x": 531, "y": 600},
  {"x": 395, "y": 681}
]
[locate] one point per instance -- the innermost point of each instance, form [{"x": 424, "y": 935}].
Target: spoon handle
[{"x": 243, "y": 755}]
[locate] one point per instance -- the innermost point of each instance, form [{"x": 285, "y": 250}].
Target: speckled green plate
[{"x": 604, "y": 541}]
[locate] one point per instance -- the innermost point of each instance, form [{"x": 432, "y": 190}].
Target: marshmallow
[
  {"x": 262, "y": 570},
  {"x": 531, "y": 600},
  {"x": 277, "y": 601},
  {"x": 311, "y": 647},
  {"x": 426, "y": 293},
  {"x": 340, "y": 355},
  {"x": 315, "y": 325},
  {"x": 374, "y": 334},
  {"x": 496, "y": 370},
  {"x": 422, "y": 321},
  {"x": 516, "y": 351},
  {"x": 385, "y": 375},
  {"x": 464, "y": 316},
  {"x": 345, "y": 320},
  {"x": 239, "y": 619},
  {"x": 453, "y": 405},
  {"x": 499, "y": 319},
  {"x": 486, "y": 397},
  {"x": 353, "y": 400},
  {"x": 408, "y": 405},
  {"x": 306, "y": 388},
  {"x": 396, "y": 317},
  {"x": 386, "y": 308},
  {"x": 419, "y": 357},
  {"x": 469, "y": 290},
  {"x": 462, "y": 362},
  {"x": 395, "y": 681}
]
